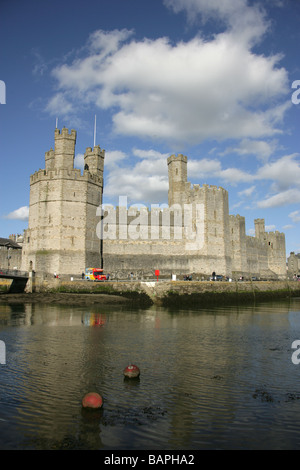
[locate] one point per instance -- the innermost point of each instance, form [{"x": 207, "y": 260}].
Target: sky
[{"x": 215, "y": 80}]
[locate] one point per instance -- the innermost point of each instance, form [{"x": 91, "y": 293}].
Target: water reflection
[{"x": 210, "y": 378}]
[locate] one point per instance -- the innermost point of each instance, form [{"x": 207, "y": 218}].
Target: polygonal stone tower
[
  {"x": 61, "y": 236},
  {"x": 177, "y": 171}
]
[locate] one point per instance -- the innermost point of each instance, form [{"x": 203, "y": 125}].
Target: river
[{"x": 213, "y": 378}]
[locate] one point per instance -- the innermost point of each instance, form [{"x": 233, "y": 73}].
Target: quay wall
[{"x": 175, "y": 293}]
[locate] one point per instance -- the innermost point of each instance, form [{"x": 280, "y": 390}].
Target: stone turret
[
  {"x": 259, "y": 227},
  {"x": 64, "y": 151},
  {"x": 94, "y": 160},
  {"x": 177, "y": 170}
]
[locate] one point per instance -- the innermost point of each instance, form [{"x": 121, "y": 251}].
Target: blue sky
[{"x": 216, "y": 80}]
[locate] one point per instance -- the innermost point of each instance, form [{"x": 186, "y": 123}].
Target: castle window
[
  {"x": 176, "y": 172},
  {"x": 215, "y": 214}
]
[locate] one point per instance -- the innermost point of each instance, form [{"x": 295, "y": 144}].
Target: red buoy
[
  {"x": 131, "y": 371},
  {"x": 92, "y": 400}
]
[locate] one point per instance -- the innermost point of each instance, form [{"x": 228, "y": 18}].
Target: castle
[{"x": 69, "y": 229}]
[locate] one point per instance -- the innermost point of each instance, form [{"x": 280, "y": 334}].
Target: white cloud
[
  {"x": 144, "y": 182},
  {"x": 234, "y": 176},
  {"x": 79, "y": 161},
  {"x": 247, "y": 192},
  {"x": 213, "y": 88},
  {"x": 260, "y": 148},
  {"x": 284, "y": 172},
  {"x": 203, "y": 168},
  {"x": 295, "y": 216},
  {"x": 19, "y": 214},
  {"x": 59, "y": 104},
  {"x": 247, "y": 22},
  {"x": 113, "y": 158},
  {"x": 290, "y": 196}
]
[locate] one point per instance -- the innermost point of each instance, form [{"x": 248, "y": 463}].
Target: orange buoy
[
  {"x": 131, "y": 371},
  {"x": 92, "y": 400}
]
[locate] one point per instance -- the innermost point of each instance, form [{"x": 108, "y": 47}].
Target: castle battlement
[
  {"x": 65, "y": 133},
  {"x": 62, "y": 173},
  {"x": 179, "y": 157},
  {"x": 238, "y": 218},
  {"x": 95, "y": 151},
  {"x": 214, "y": 188}
]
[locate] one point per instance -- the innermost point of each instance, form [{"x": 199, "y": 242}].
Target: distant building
[{"x": 10, "y": 253}]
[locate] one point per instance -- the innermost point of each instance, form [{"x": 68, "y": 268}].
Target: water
[{"x": 220, "y": 378}]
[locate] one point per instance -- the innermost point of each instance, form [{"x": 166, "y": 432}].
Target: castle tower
[
  {"x": 94, "y": 160},
  {"x": 61, "y": 235},
  {"x": 177, "y": 171},
  {"x": 64, "y": 151},
  {"x": 259, "y": 227}
]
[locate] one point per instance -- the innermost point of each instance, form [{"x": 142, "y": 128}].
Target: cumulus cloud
[
  {"x": 247, "y": 192},
  {"x": 284, "y": 172},
  {"x": 295, "y": 216},
  {"x": 215, "y": 88},
  {"x": 19, "y": 214},
  {"x": 248, "y": 22},
  {"x": 79, "y": 161},
  {"x": 281, "y": 199},
  {"x": 261, "y": 149},
  {"x": 144, "y": 182}
]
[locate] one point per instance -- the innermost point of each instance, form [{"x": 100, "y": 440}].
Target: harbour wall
[{"x": 173, "y": 293}]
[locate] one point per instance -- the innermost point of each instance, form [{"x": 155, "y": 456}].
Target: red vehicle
[{"x": 95, "y": 274}]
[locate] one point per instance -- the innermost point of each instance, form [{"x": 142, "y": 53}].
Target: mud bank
[{"x": 67, "y": 299}]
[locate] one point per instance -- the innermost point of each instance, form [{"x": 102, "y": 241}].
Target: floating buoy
[
  {"x": 92, "y": 400},
  {"x": 131, "y": 371}
]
